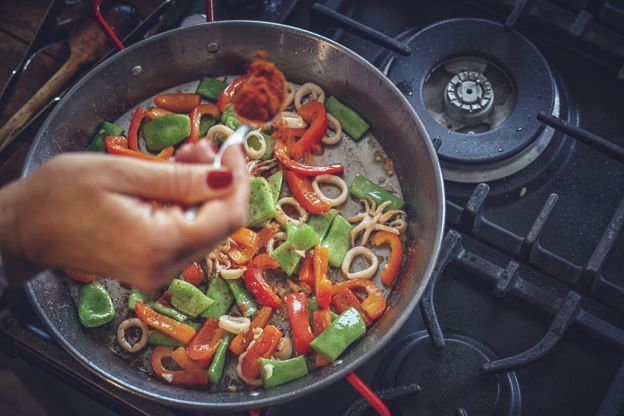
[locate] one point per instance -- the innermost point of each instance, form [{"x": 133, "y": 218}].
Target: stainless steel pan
[{"x": 184, "y": 55}]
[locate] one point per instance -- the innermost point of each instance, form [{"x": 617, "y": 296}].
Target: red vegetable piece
[{"x": 264, "y": 293}]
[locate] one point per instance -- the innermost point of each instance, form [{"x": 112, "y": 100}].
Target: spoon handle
[{"x": 233, "y": 139}]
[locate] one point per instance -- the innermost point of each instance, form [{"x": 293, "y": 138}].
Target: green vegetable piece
[
  {"x": 298, "y": 239},
  {"x": 219, "y": 292},
  {"x": 245, "y": 300},
  {"x": 98, "y": 142},
  {"x": 95, "y": 307},
  {"x": 341, "y": 333},
  {"x": 228, "y": 117},
  {"x": 210, "y": 88},
  {"x": 158, "y": 338},
  {"x": 187, "y": 298},
  {"x": 261, "y": 205},
  {"x": 215, "y": 372},
  {"x": 351, "y": 122},
  {"x": 166, "y": 131},
  {"x": 275, "y": 182},
  {"x": 137, "y": 296},
  {"x": 278, "y": 372},
  {"x": 338, "y": 240},
  {"x": 254, "y": 142},
  {"x": 362, "y": 188},
  {"x": 204, "y": 125},
  {"x": 321, "y": 223},
  {"x": 166, "y": 310},
  {"x": 312, "y": 306}
]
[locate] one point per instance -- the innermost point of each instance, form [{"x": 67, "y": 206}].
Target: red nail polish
[{"x": 219, "y": 179}]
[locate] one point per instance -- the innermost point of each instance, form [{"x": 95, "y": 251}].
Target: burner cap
[{"x": 492, "y": 83}]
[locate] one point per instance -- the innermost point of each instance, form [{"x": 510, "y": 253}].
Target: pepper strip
[
  {"x": 280, "y": 151},
  {"x": 133, "y": 131},
  {"x": 264, "y": 346},
  {"x": 153, "y": 113},
  {"x": 321, "y": 320},
  {"x": 247, "y": 242},
  {"x": 344, "y": 299},
  {"x": 196, "y": 115},
  {"x": 204, "y": 344},
  {"x": 302, "y": 190},
  {"x": 299, "y": 318},
  {"x": 118, "y": 145},
  {"x": 80, "y": 276},
  {"x": 166, "y": 153},
  {"x": 263, "y": 261},
  {"x": 375, "y": 302},
  {"x": 180, "y": 356},
  {"x": 229, "y": 91},
  {"x": 392, "y": 266},
  {"x": 264, "y": 293},
  {"x": 174, "y": 329},
  {"x": 180, "y": 377},
  {"x": 306, "y": 271},
  {"x": 193, "y": 273},
  {"x": 322, "y": 285},
  {"x": 178, "y": 102},
  {"x": 215, "y": 372},
  {"x": 313, "y": 112},
  {"x": 241, "y": 341}
]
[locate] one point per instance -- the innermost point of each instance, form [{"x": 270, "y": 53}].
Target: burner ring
[
  {"x": 521, "y": 61},
  {"x": 469, "y": 97}
]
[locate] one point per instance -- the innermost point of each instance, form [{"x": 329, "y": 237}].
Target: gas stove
[{"x": 524, "y": 314}]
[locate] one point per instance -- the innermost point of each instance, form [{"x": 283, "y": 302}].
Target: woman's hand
[{"x": 93, "y": 213}]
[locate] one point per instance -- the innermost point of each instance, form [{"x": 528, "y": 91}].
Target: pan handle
[{"x": 97, "y": 4}]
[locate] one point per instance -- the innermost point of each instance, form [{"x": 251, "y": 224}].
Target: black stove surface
[{"x": 525, "y": 311}]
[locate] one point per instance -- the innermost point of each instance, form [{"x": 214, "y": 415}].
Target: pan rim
[{"x": 344, "y": 368}]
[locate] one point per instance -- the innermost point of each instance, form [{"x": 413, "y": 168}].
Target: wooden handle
[{"x": 54, "y": 84}]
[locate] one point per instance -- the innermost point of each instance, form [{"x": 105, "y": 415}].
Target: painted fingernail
[{"x": 219, "y": 179}]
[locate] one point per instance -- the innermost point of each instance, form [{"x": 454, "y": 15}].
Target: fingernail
[{"x": 219, "y": 179}]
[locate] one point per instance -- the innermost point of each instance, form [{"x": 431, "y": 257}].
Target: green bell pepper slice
[
  {"x": 215, "y": 372},
  {"x": 244, "y": 300},
  {"x": 166, "y": 131},
  {"x": 166, "y": 310},
  {"x": 322, "y": 223},
  {"x": 210, "y": 88},
  {"x": 261, "y": 205},
  {"x": 228, "y": 117},
  {"x": 351, "y": 122},
  {"x": 341, "y": 333},
  {"x": 338, "y": 240},
  {"x": 277, "y": 372},
  {"x": 95, "y": 307},
  {"x": 204, "y": 125},
  {"x": 98, "y": 142},
  {"x": 158, "y": 338},
  {"x": 187, "y": 298},
  {"x": 219, "y": 292},
  {"x": 298, "y": 239},
  {"x": 362, "y": 188},
  {"x": 275, "y": 182},
  {"x": 137, "y": 296}
]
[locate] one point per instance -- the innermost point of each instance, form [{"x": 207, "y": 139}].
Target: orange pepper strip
[
  {"x": 178, "y": 102},
  {"x": 133, "y": 131},
  {"x": 247, "y": 242},
  {"x": 344, "y": 299},
  {"x": 165, "y": 153},
  {"x": 322, "y": 285},
  {"x": 80, "y": 276},
  {"x": 176, "y": 330},
  {"x": 179, "y": 377},
  {"x": 266, "y": 234},
  {"x": 153, "y": 113},
  {"x": 321, "y": 319},
  {"x": 204, "y": 344},
  {"x": 262, "y": 262},
  {"x": 196, "y": 115},
  {"x": 241, "y": 341},
  {"x": 182, "y": 359},
  {"x": 264, "y": 346},
  {"x": 391, "y": 269},
  {"x": 306, "y": 271},
  {"x": 118, "y": 145},
  {"x": 375, "y": 302}
]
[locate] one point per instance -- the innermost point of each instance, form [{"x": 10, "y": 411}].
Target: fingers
[{"x": 201, "y": 152}]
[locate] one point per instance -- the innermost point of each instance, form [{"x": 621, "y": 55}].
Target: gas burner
[
  {"x": 450, "y": 379},
  {"x": 481, "y": 89}
]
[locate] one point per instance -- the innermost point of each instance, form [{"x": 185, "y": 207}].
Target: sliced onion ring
[
  {"x": 309, "y": 88},
  {"x": 270, "y": 246},
  {"x": 334, "y": 180},
  {"x": 281, "y": 216},
  {"x": 362, "y": 274},
  {"x": 232, "y": 274},
  {"x": 333, "y": 124},
  {"x": 121, "y": 334},
  {"x": 250, "y": 151},
  {"x": 292, "y": 120},
  {"x": 234, "y": 324},
  {"x": 291, "y": 94},
  {"x": 218, "y": 130}
]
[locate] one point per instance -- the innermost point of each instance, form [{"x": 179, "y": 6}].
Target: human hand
[{"x": 93, "y": 213}]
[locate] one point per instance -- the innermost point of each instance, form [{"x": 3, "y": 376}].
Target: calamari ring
[
  {"x": 234, "y": 324},
  {"x": 334, "y": 180},
  {"x": 281, "y": 216},
  {"x": 218, "y": 130},
  {"x": 121, "y": 334},
  {"x": 270, "y": 246},
  {"x": 333, "y": 124},
  {"x": 250, "y": 151},
  {"x": 309, "y": 88},
  {"x": 232, "y": 274},
  {"x": 290, "y": 94},
  {"x": 362, "y": 274},
  {"x": 292, "y": 120}
]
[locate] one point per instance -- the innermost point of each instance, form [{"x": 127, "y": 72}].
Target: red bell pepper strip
[
  {"x": 178, "y": 102},
  {"x": 313, "y": 112},
  {"x": 266, "y": 234},
  {"x": 306, "y": 270},
  {"x": 80, "y": 276},
  {"x": 182, "y": 359},
  {"x": 280, "y": 151},
  {"x": 153, "y": 113},
  {"x": 263, "y": 261},
  {"x": 299, "y": 318},
  {"x": 321, "y": 319},
  {"x": 193, "y": 273},
  {"x": 241, "y": 341},
  {"x": 204, "y": 344},
  {"x": 118, "y": 145},
  {"x": 168, "y": 326},
  {"x": 302, "y": 190},
  {"x": 263, "y": 347},
  {"x": 133, "y": 131},
  {"x": 196, "y": 115},
  {"x": 375, "y": 302},
  {"x": 391, "y": 269},
  {"x": 322, "y": 285},
  {"x": 344, "y": 299},
  {"x": 178, "y": 377},
  {"x": 229, "y": 91},
  {"x": 261, "y": 290}
]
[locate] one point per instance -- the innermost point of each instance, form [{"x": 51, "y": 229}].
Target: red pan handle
[
  {"x": 370, "y": 396},
  {"x": 97, "y": 4},
  {"x": 210, "y": 11}
]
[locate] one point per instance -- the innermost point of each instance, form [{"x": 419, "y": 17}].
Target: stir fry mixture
[{"x": 280, "y": 296}]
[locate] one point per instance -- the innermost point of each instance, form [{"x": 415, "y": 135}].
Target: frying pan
[{"x": 184, "y": 55}]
